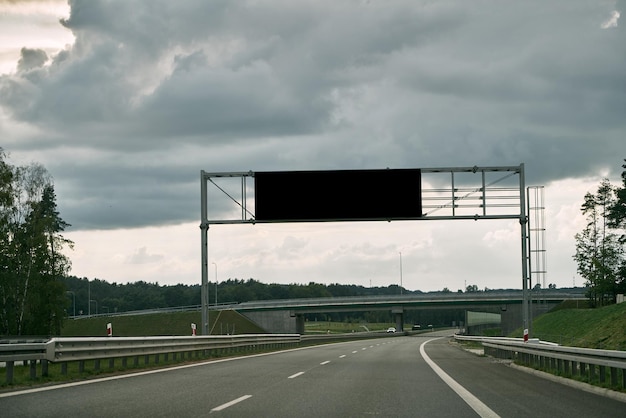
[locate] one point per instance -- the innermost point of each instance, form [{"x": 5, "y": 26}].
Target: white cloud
[
  {"x": 141, "y": 256},
  {"x": 612, "y": 21}
]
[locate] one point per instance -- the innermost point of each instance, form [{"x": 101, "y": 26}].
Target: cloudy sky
[{"x": 125, "y": 102}]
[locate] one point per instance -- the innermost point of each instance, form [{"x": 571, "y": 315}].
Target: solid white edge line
[
  {"x": 231, "y": 403},
  {"x": 474, "y": 403}
]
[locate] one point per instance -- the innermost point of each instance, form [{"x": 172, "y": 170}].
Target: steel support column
[
  {"x": 523, "y": 220},
  {"x": 204, "y": 232}
]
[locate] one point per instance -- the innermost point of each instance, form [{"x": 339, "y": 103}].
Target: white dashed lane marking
[{"x": 231, "y": 403}]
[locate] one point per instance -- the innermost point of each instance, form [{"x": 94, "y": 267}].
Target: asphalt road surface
[{"x": 405, "y": 376}]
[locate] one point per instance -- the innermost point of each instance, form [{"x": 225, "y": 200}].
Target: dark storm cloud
[{"x": 153, "y": 91}]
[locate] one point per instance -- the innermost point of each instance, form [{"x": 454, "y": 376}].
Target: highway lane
[
  {"x": 510, "y": 392},
  {"x": 384, "y": 377}
]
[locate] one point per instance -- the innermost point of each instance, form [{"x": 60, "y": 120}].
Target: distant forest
[{"x": 112, "y": 297}]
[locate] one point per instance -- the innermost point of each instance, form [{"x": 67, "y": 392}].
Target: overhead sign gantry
[{"x": 448, "y": 193}]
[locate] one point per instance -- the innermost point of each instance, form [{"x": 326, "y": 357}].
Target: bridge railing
[
  {"x": 588, "y": 364},
  {"x": 65, "y": 350}
]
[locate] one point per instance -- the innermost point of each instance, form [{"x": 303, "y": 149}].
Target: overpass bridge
[{"x": 287, "y": 315}]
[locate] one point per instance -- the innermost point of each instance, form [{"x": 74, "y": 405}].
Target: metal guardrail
[
  {"x": 64, "y": 350},
  {"x": 589, "y": 364},
  {"x": 69, "y": 349}
]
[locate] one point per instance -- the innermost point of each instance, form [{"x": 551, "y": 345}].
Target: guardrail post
[
  {"x": 613, "y": 377},
  {"x": 33, "y": 369},
  {"x": 111, "y": 363},
  {"x": 602, "y": 374},
  {"x": 64, "y": 368},
  {"x": 583, "y": 369},
  {"x": 9, "y": 370},
  {"x": 96, "y": 364},
  {"x": 44, "y": 368}
]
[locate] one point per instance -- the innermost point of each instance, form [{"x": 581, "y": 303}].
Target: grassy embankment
[
  {"x": 176, "y": 323},
  {"x": 179, "y": 323},
  {"x": 601, "y": 328}
]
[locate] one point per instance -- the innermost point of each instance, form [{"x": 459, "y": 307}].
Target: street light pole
[
  {"x": 400, "y": 272},
  {"x": 215, "y": 264},
  {"x": 73, "y": 301},
  {"x": 94, "y": 301}
]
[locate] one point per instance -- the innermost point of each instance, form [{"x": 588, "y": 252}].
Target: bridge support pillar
[{"x": 398, "y": 313}]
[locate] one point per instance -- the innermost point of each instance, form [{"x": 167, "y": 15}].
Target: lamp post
[
  {"x": 73, "y": 301},
  {"x": 215, "y": 264},
  {"x": 400, "y": 272},
  {"x": 94, "y": 301}
]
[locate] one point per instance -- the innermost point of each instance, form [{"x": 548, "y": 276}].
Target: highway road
[{"x": 405, "y": 376}]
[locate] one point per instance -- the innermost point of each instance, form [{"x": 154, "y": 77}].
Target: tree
[
  {"x": 471, "y": 288},
  {"x": 617, "y": 220},
  {"x": 617, "y": 211},
  {"x": 32, "y": 294},
  {"x": 6, "y": 213},
  {"x": 599, "y": 253},
  {"x": 47, "y": 297}
]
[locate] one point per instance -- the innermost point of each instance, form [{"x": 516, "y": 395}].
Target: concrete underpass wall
[
  {"x": 478, "y": 322},
  {"x": 275, "y": 322},
  {"x": 284, "y": 322},
  {"x": 513, "y": 318}
]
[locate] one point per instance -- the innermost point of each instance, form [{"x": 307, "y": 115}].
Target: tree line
[
  {"x": 95, "y": 296},
  {"x": 109, "y": 298},
  {"x": 600, "y": 246}
]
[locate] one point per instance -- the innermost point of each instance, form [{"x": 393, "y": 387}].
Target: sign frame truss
[{"x": 488, "y": 198}]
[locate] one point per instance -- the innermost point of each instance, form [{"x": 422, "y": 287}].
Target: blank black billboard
[{"x": 341, "y": 195}]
